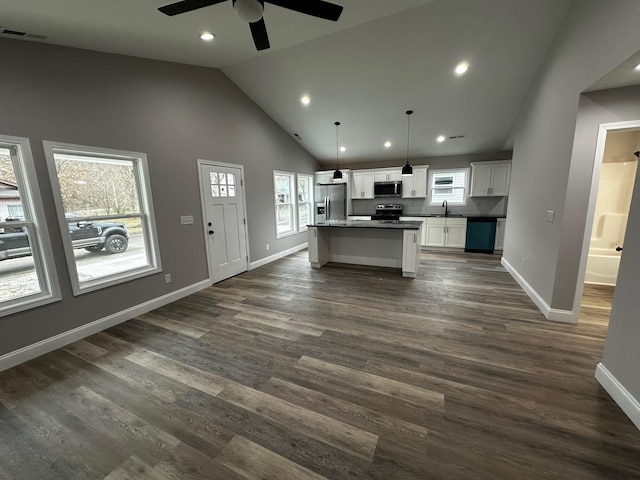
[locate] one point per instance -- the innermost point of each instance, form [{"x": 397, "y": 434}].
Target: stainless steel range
[{"x": 388, "y": 212}]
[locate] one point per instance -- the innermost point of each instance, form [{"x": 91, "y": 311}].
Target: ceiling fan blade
[
  {"x": 259, "y": 34},
  {"x": 315, "y": 8},
  {"x": 187, "y": 6}
]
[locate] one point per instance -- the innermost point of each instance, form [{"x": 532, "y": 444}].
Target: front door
[{"x": 224, "y": 215}]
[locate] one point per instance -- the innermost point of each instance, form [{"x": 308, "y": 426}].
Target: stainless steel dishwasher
[{"x": 481, "y": 234}]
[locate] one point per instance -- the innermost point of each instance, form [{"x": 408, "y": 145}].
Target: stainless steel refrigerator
[{"x": 331, "y": 202}]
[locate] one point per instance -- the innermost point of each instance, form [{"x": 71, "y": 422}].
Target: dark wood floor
[{"x": 289, "y": 373}]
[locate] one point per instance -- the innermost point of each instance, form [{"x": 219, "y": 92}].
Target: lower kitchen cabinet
[
  {"x": 446, "y": 232},
  {"x": 423, "y": 230}
]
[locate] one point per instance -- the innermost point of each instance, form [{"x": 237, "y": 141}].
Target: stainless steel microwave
[{"x": 387, "y": 189}]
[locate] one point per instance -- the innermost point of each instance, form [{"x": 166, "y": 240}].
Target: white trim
[
  {"x": 598, "y": 157},
  {"x": 41, "y": 251},
  {"x": 47, "y": 345},
  {"x": 138, "y": 160},
  {"x": 203, "y": 204},
  {"x": 293, "y": 203},
  {"x": 277, "y": 256},
  {"x": 553, "y": 314},
  {"x": 627, "y": 402}
]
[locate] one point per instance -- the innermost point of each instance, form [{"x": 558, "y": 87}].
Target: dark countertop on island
[{"x": 388, "y": 224}]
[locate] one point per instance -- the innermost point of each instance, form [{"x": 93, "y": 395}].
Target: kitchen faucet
[{"x": 446, "y": 210}]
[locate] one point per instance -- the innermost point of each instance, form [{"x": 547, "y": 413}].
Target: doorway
[
  {"x": 614, "y": 174},
  {"x": 224, "y": 214}
]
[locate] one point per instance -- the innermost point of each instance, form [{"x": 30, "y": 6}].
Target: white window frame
[
  {"x": 147, "y": 213},
  {"x": 309, "y": 179},
  {"x": 451, "y": 171},
  {"x": 35, "y": 222},
  {"x": 292, "y": 203}
]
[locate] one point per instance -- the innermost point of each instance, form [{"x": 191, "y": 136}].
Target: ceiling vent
[
  {"x": 297, "y": 136},
  {"x": 455, "y": 137},
  {"x": 17, "y": 33}
]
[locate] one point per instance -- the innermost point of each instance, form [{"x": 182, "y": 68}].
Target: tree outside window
[{"x": 105, "y": 208}]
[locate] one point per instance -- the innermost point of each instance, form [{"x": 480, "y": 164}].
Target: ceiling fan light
[{"x": 249, "y": 10}]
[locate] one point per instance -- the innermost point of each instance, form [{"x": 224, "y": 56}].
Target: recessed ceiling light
[
  {"x": 441, "y": 139},
  {"x": 343, "y": 149},
  {"x": 387, "y": 144},
  {"x": 462, "y": 68},
  {"x": 637, "y": 68},
  {"x": 305, "y": 100},
  {"x": 207, "y": 36}
]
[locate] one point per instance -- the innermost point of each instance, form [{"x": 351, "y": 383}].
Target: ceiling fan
[{"x": 252, "y": 10}]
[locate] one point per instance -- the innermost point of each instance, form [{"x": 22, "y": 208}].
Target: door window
[{"x": 223, "y": 184}]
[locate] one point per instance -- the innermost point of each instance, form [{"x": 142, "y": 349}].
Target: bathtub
[{"x": 602, "y": 266}]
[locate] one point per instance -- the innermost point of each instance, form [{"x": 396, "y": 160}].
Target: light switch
[
  {"x": 186, "y": 219},
  {"x": 550, "y": 215}
]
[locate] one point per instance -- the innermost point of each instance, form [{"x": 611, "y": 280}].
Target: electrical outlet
[
  {"x": 267, "y": 247},
  {"x": 186, "y": 219},
  {"x": 167, "y": 278},
  {"x": 549, "y": 216}
]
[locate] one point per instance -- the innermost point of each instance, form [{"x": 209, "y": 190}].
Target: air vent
[
  {"x": 17, "y": 33},
  {"x": 297, "y": 136},
  {"x": 454, "y": 137}
]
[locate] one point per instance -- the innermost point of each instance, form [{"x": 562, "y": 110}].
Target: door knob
[{"x": 210, "y": 232}]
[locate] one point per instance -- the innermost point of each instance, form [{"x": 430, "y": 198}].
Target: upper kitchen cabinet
[
  {"x": 415, "y": 186},
  {"x": 388, "y": 175},
  {"x": 490, "y": 179},
  {"x": 362, "y": 184},
  {"x": 326, "y": 176}
]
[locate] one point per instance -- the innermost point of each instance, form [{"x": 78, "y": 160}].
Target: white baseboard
[
  {"x": 553, "y": 314},
  {"x": 629, "y": 405},
  {"x": 34, "y": 350},
  {"x": 277, "y": 256}
]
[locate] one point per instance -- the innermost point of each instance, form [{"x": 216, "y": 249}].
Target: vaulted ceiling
[{"x": 380, "y": 59}]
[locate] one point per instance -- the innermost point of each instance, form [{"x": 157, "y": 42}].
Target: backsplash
[{"x": 475, "y": 206}]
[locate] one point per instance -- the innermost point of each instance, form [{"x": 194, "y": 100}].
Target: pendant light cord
[
  {"x": 337, "y": 124},
  {"x": 409, "y": 112}
]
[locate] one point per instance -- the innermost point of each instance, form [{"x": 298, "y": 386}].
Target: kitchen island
[{"x": 380, "y": 243}]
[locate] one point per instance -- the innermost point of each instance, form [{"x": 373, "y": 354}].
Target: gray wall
[
  {"x": 175, "y": 114},
  {"x": 621, "y": 354},
  {"x": 596, "y": 37}
]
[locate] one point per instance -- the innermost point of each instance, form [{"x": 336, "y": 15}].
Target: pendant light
[
  {"x": 337, "y": 174},
  {"x": 408, "y": 169}
]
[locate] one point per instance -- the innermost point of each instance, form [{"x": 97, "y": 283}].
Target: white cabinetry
[
  {"x": 388, "y": 175},
  {"x": 415, "y": 186},
  {"x": 490, "y": 179},
  {"x": 410, "y": 252},
  {"x": 446, "y": 232},
  {"x": 500, "y": 225},
  {"x": 362, "y": 184},
  {"x": 327, "y": 177},
  {"x": 423, "y": 230}
]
